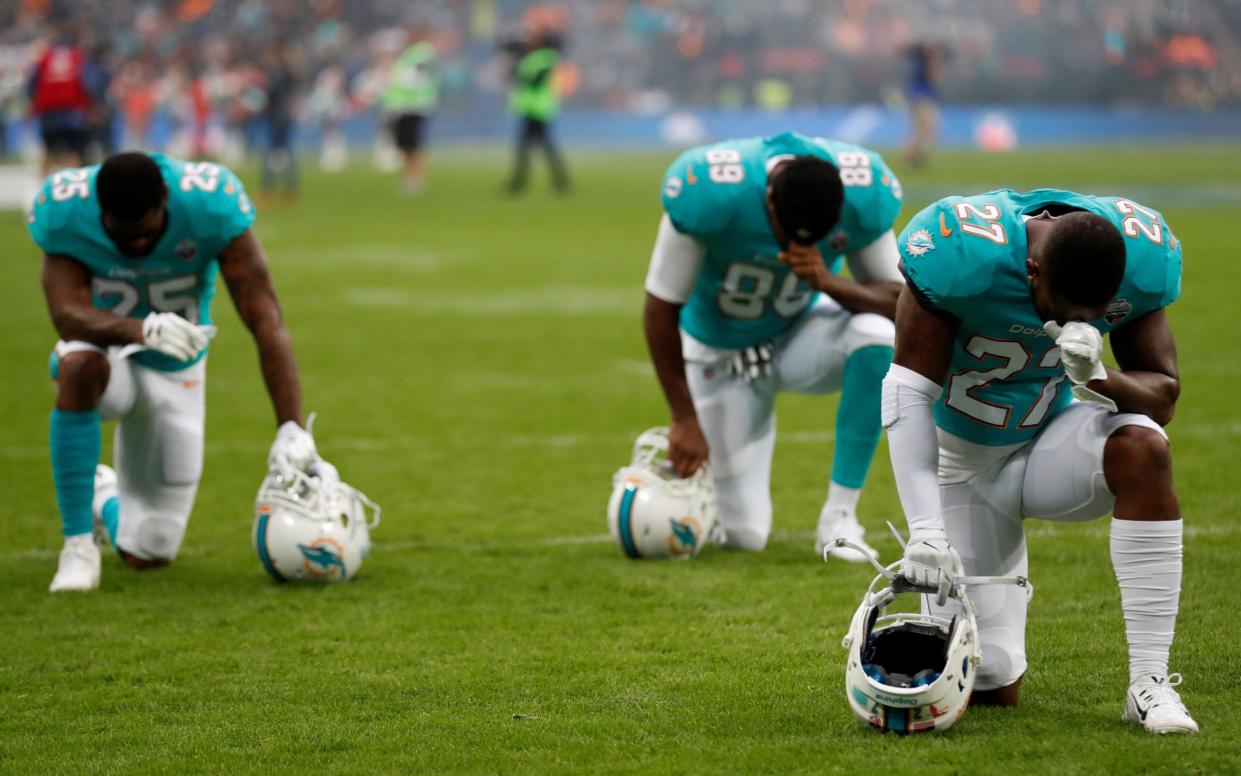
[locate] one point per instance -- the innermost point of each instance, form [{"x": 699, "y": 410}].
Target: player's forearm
[
  {"x": 663, "y": 338},
  {"x": 1152, "y": 394},
  {"x": 913, "y": 444},
  {"x": 98, "y": 327},
  {"x": 275, "y": 349},
  {"x": 878, "y": 297}
]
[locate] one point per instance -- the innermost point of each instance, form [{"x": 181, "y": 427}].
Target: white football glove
[
  {"x": 927, "y": 552},
  {"x": 173, "y": 336},
  {"x": 293, "y": 451},
  {"x": 1081, "y": 350}
]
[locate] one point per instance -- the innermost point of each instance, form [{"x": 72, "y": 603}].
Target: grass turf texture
[{"x": 479, "y": 369}]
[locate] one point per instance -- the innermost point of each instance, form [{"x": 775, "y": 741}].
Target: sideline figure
[
  {"x": 1000, "y": 326},
  {"x": 132, "y": 248},
  {"x": 745, "y": 300}
]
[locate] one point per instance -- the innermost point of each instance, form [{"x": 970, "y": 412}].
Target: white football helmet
[
  {"x": 909, "y": 672},
  {"x": 655, "y": 514},
  {"x": 312, "y": 526}
]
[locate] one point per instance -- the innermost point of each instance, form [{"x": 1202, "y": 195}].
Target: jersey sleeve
[
  {"x": 882, "y": 201},
  {"x": 696, "y": 204},
  {"x": 1163, "y": 285},
  {"x": 39, "y": 218},
  {"x": 933, "y": 264},
  {"x": 1172, "y": 276},
  {"x": 47, "y": 216},
  {"x": 230, "y": 207}
]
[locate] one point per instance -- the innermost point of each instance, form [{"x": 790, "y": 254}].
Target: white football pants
[
  {"x": 986, "y": 491},
  {"x": 738, "y": 418}
]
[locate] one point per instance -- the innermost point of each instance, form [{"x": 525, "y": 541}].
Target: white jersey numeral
[
  {"x": 165, "y": 296},
  {"x": 725, "y": 165},
  {"x": 68, "y": 184},
  {"x": 1134, "y": 226},
  {"x": 203, "y": 176},
  {"x": 1016, "y": 357},
  {"x": 989, "y": 214},
  {"x": 855, "y": 169},
  {"x": 745, "y": 288}
]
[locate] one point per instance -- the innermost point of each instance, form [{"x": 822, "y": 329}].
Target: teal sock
[
  {"x": 111, "y": 514},
  {"x": 857, "y": 417},
  {"x": 75, "y": 452}
]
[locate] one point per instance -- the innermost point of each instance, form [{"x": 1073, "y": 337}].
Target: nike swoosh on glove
[
  {"x": 172, "y": 335},
  {"x": 927, "y": 552}
]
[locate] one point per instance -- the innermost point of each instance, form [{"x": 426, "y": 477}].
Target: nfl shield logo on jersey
[{"x": 186, "y": 249}]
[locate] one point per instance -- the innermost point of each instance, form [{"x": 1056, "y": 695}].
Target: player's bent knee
[
  {"x": 1002, "y": 666},
  {"x": 1137, "y": 451},
  {"x": 157, "y": 539},
  {"x": 867, "y": 329},
  {"x": 142, "y": 564},
  {"x": 745, "y": 538},
  {"x": 83, "y": 372}
]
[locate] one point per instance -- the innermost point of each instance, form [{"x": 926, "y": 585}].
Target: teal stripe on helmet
[
  {"x": 626, "y": 521},
  {"x": 260, "y": 541}
]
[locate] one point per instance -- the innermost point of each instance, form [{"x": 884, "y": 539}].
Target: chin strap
[{"x": 947, "y": 584}]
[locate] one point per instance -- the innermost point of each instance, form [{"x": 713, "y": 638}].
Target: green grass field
[{"x": 479, "y": 369}]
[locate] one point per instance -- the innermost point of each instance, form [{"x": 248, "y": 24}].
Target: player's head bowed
[
  {"x": 805, "y": 196},
  {"x": 1077, "y": 267},
  {"x": 132, "y": 198}
]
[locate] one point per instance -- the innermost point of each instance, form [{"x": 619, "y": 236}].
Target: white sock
[
  {"x": 1146, "y": 555},
  {"x": 840, "y": 497}
]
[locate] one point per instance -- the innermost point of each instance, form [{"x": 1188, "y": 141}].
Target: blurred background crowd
[{"x": 209, "y": 76}]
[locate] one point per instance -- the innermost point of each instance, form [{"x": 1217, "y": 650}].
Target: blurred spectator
[
  {"x": 410, "y": 97},
  {"x": 535, "y": 101},
  {"x": 279, "y": 161},
  {"x": 61, "y": 100},
  {"x": 924, "y": 63},
  {"x": 644, "y": 55}
]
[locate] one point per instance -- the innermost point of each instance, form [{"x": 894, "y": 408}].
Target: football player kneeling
[
  {"x": 309, "y": 524},
  {"x": 655, "y": 514}
]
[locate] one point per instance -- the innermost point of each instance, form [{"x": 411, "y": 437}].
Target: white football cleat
[
  {"x": 79, "y": 565},
  {"x": 105, "y": 488},
  {"x": 842, "y": 524},
  {"x": 1153, "y": 702}
]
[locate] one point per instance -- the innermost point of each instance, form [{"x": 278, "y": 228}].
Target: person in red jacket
[{"x": 61, "y": 98}]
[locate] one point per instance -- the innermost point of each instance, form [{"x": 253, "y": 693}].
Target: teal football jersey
[
  {"x": 716, "y": 194},
  {"x": 207, "y": 209},
  {"x": 966, "y": 256}
]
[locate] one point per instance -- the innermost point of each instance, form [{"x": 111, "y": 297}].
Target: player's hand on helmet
[
  {"x": 927, "y": 552},
  {"x": 1081, "y": 350},
  {"x": 325, "y": 471},
  {"x": 806, "y": 262},
  {"x": 687, "y": 446},
  {"x": 173, "y": 336},
  {"x": 293, "y": 451}
]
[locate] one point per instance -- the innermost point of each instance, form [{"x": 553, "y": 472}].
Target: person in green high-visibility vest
[
  {"x": 535, "y": 100},
  {"x": 410, "y": 97}
]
